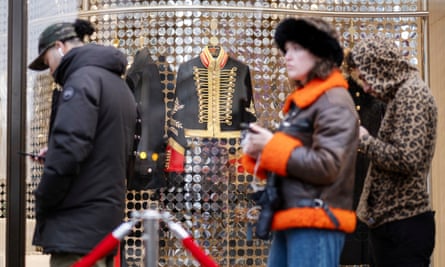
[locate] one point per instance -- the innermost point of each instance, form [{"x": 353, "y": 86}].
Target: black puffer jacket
[{"x": 81, "y": 195}]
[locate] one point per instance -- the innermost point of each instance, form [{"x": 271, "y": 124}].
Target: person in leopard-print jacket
[{"x": 395, "y": 203}]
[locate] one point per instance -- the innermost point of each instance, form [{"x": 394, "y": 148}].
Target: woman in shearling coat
[{"x": 313, "y": 153}]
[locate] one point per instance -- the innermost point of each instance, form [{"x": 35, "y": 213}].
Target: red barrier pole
[
  {"x": 188, "y": 242},
  {"x": 106, "y": 245},
  {"x": 117, "y": 258},
  {"x": 112, "y": 240},
  {"x": 198, "y": 253}
]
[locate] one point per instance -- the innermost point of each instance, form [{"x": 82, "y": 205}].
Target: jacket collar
[
  {"x": 208, "y": 59},
  {"x": 304, "y": 97}
]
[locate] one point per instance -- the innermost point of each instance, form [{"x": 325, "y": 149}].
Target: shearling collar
[{"x": 307, "y": 95}]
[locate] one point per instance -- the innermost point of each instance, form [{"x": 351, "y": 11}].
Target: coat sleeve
[
  {"x": 411, "y": 139},
  {"x": 335, "y": 133},
  {"x": 70, "y": 142}
]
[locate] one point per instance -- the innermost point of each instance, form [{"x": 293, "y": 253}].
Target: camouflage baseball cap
[{"x": 56, "y": 32}]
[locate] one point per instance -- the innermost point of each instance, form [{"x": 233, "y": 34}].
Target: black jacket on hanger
[{"x": 143, "y": 78}]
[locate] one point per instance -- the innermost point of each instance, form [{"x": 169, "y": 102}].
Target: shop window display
[{"x": 210, "y": 196}]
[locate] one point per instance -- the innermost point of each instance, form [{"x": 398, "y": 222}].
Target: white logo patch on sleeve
[{"x": 68, "y": 93}]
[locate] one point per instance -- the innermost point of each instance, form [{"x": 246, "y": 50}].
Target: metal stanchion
[{"x": 150, "y": 220}]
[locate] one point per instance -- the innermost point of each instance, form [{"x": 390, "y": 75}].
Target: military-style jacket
[{"x": 213, "y": 97}]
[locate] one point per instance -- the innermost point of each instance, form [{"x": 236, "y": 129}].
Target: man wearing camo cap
[{"x": 81, "y": 195}]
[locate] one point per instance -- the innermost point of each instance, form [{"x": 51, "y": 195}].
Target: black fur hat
[{"x": 314, "y": 34}]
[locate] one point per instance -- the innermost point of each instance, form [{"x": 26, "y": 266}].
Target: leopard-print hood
[{"x": 381, "y": 65}]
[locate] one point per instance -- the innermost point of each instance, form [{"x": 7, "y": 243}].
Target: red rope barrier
[
  {"x": 101, "y": 250},
  {"x": 188, "y": 242},
  {"x": 106, "y": 245},
  {"x": 198, "y": 253},
  {"x": 111, "y": 241}
]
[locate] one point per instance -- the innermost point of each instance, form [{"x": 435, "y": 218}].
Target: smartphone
[
  {"x": 246, "y": 126},
  {"x": 31, "y": 155}
]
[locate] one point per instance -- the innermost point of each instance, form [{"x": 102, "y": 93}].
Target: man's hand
[{"x": 41, "y": 156}]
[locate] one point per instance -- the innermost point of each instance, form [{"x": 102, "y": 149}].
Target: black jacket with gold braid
[{"x": 213, "y": 96}]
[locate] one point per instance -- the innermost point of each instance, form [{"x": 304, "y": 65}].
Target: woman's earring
[{"x": 60, "y": 52}]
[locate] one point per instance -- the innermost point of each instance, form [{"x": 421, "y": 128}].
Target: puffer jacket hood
[
  {"x": 381, "y": 65},
  {"x": 108, "y": 58}
]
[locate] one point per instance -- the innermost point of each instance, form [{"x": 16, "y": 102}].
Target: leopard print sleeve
[{"x": 407, "y": 134}]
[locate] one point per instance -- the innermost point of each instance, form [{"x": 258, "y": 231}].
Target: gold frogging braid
[
  {"x": 215, "y": 89},
  {"x": 175, "y": 124}
]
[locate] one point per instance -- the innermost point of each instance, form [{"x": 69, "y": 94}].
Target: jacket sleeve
[
  {"x": 408, "y": 147},
  {"x": 69, "y": 144},
  {"x": 335, "y": 130},
  {"x": 177, "y": 143}
]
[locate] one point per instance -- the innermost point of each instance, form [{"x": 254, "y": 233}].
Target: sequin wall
[
  {"x": 42, "y": 96},
  {"x": 210, "y": 197}
]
